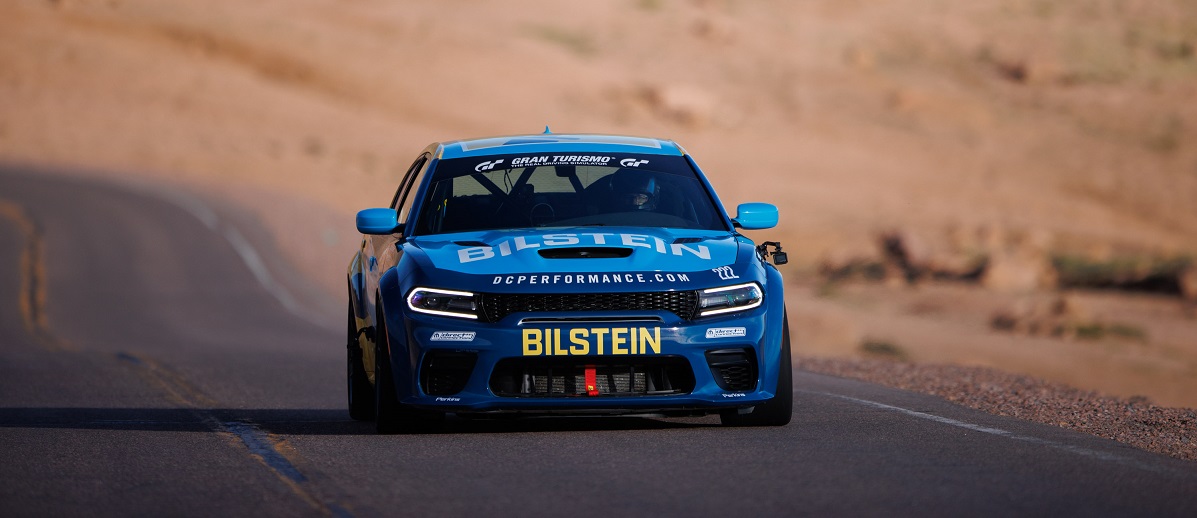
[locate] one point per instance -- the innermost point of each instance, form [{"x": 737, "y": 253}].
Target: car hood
[{"x": 573, "y": 250}]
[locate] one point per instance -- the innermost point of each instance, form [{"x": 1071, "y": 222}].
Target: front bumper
[{"x": 649, "y": 364}]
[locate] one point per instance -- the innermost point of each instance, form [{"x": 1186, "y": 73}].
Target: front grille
[
  {"x": 496, "y": 306},
  {"x": 733, "y": 369},
  {"x": 564, "y": 377},
  {"x": 445, "y": 373}
]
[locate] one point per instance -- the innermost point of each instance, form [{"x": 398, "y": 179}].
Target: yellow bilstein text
[{"x": 581, "y": 341}]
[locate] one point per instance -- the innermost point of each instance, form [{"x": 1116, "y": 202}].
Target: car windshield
[{"x": 472, "y": 194}]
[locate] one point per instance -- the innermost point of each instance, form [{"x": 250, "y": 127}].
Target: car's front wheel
[
  {"x": 779, "y": 410},
  {"x": 389, "y": 415},
  {"x": 361, "y": 394}
]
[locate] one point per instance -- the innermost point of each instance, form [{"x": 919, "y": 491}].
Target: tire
[
  {"x": 361, "y": 394},
  {"x": 390, "y": 417},
  {"x": 779, "y": 410}
]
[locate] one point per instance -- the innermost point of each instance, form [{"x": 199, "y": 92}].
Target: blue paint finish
[
  {"x": 519, "y": 251},
  {"x": 377, "y": 221},
  {"x": 756, "y": 216}
]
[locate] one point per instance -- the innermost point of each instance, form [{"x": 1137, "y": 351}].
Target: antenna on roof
[{"x": 547, "y": 131}]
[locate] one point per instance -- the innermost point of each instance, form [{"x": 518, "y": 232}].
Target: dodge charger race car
[{"x": 564, "y": 274}]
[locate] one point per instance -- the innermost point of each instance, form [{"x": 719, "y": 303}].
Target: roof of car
[{"x": 559, "y": 143}]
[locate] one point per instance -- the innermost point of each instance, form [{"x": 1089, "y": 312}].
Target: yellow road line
[
  {"x": 32, "y": 296},
  {"x": 269, "y": 450},
  {"x": 177, "y": 389}
]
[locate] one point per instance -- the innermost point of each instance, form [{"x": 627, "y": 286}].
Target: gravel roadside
[{"x": 1134, "y": 421}]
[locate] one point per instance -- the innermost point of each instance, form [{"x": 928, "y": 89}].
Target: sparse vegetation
[
  {"x": 826, "y": 289},
  {"x": 649, "y": 5},
  {"x": 1062, "y": 318},
  {"x": 1128, "y": 331},
  {"x": 879, "y": 348},
  {"x": 867, "y": 270},
  {"x": 1099, "y": 330},
  {"x": 578, "y": 43},
  {"x": 1090, "y": 331},
  {"x": 1153, "y": 274},
  {"x": 1179, "y": 50},
  {"x": 1165, "y": 134}
]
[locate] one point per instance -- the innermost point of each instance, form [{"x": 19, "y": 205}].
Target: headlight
[
  {"x": 447, "y": 303},
  {"x": 727, "y": 299}
]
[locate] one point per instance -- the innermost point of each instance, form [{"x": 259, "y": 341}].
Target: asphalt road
[{"x": 147, "y": 369}]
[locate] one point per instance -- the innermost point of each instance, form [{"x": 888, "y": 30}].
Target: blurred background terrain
[{"x": 1008, "y": 183}]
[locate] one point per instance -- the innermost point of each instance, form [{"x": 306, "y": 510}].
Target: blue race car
[{"x": 564, "y": 274}]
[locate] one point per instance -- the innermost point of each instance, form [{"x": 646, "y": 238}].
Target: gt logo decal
[
  {"x": 632, "y": 162},
  {"x": 487, "y": 165},
  {"x": 583, "y": 341}
]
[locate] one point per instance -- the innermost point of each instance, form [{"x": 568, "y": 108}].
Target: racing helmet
[{"x": 635, "y": 190}]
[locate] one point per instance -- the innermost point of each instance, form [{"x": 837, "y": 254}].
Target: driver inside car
[{"x": 635, "y": 191}]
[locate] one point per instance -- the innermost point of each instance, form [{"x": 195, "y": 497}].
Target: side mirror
[
  {"x": 755, "y": 216},
  {"x": 378, "y": 222}
]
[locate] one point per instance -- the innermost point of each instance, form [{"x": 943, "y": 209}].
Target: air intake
[
  {"x": 733, "y": 369},
  {"x": 585, "y": 253},
  {"x": 446, "y": 372}
]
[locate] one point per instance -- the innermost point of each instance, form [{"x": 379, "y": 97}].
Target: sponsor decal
[
  {"x": 598, "y": 341},
  {"x": 440, "y": 399},
  {"x": 487, "y": 165},
  {"x": 734, "y": 394},
  {"x": 725, "y": 273},
  {"x": 534, "y": 161},
  {"x": 453, "y": 336},
  {"x": 726, "y": 332},
  {"x": 632, "y": 162},
  {"x": 510, "y": 246},
  {"x": 590, "y": 278}
]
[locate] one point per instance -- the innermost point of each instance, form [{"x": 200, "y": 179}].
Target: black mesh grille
[
  {"x": 733, "y": 369},
  {"x": 444, "y": 373},
  {"x": 738, "y": 377},
  {"x": 496, "y": 306},
  {"x": 629, "y": 376}
]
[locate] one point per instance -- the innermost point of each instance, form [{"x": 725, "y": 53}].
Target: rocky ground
[{"x": 1134, "y": 421}]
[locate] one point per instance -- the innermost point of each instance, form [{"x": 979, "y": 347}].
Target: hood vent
[
  {"x": 585, "y": 253},
  {"x": 684, "y": 240},
  {"x": 470, "y": 243}
]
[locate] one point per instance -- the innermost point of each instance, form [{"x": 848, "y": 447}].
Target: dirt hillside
[{"x": 945, "y": 170}]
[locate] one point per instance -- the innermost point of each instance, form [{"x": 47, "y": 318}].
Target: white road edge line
[
  {"x": 254, "y": 261},
  {"x": 188, "y": 203},
  {"x": 249, "y": 255},
  {"x": 1078, "y": 450}
]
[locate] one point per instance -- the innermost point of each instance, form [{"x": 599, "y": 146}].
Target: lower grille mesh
[
  {"x": 608, "y": 381},
  {"x": 551, "y": 377}
]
